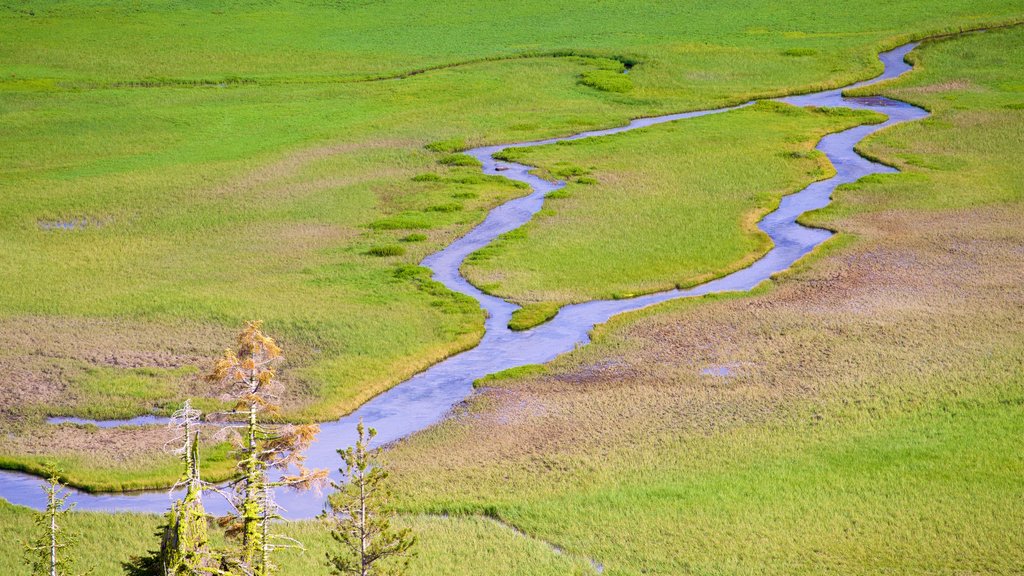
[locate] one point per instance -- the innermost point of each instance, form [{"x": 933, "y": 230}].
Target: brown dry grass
[{"x": 39, "y": 356}]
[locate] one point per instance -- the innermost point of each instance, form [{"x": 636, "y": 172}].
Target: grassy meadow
[
  {"x": 859, "y": 415},
  {"x": 170, "y": 170},
  {"x": 446, "y": 546}
]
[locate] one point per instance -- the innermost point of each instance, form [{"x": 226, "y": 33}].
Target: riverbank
[
  {"x": 858, "y": 415},
  {"x": 429, "y": 396}
]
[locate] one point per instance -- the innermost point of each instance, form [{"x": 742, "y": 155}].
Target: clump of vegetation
[
  {"x": 361, "y": 513},
  {"x": 532, "y": 315},
  {"x": 781, "y": 108},
  {"x": 446, "y": 207},
  {"x": 459, "y": 160},
  {"x": 799, "y": 154},
  {"x": 799, "y": 52},
  {"x": 427, "y": 177},
  {"x": 385, "y": 251},
  {"x": 448, "y": 146},
  {"x": 415, "y": 237},
  {"x": 607, "y": 81},
  {"x": 403, "y": 221},
  {"x": 511, "y": 374},
  {"x": 567, "y": 170}
]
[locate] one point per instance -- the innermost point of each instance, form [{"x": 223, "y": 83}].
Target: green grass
[
  {"x": 252, "y": 178},
  {"x": 924, "y": 491},
  {"x": 673, "y": 205},
  {"x": 970, "y": 147},
  {"x": 532, "y": 315},
  {"x": 873, "y": 422},
  {"x": 85, "y": 471},
  {"x": 471, "y": 544}
]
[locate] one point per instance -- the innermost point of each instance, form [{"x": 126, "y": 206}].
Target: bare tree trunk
[
  {"x": 53, "y": 532},
  {"x": 362, "y": 526},
  {"x": 250, "y": 508}
]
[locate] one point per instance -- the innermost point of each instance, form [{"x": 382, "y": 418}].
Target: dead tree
[{"x": 249, "y": 376}]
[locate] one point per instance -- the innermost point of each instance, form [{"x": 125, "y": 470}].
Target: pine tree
[
  {"x": 48, "y": 554},
  {"x": 184, "y": 542},
  {"x": 250, "y": 377},
  {"x": 360, "y": 511}
]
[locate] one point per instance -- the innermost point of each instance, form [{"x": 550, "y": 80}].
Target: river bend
[{"x": 427, "y": 397}]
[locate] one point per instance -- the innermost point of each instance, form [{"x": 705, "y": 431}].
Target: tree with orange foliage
[{"x": 248, "y": 375}]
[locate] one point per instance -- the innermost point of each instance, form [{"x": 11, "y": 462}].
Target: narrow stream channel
[{"x": 427, "y": 397}]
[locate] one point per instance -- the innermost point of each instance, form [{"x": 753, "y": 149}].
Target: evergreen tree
[
  {"x": 48, "y": 554},
  {"x": 184, "y": 542},
  {"x": 249, "y": 374},
  {"x": 360, "y": 511}
]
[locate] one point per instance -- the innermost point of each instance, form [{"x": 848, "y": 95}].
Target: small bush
[
  {"x": 586, "y": 180},
  {"x": 383, "y": 251},
  {"x": 799, "y": 52},
  {"x": 413, "y": 238}
]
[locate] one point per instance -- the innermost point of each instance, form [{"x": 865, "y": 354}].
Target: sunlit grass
[
  {"x": 667, "y": 206},
  {"x": 220, "y": 188},
  {"x": 469, "y": 545},
  {"x": 871, "y": 419}
]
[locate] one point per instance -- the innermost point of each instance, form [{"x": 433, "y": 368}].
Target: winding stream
[{"x": 427, "y": 397}]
